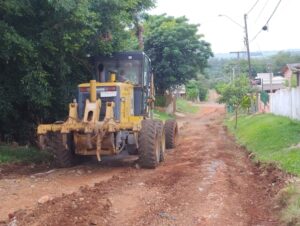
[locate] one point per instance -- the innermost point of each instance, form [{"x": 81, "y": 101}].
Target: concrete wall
[{"x": 286, "y": 102}]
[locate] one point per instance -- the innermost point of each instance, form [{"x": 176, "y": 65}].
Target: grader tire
[
  {"x": 162, "y": 139},
  {"x": 171, "y": 131},
  {"x": 148, "y": 145},
  {"x": 64, "y": 157},
  {"x": 131, "y": 149}
]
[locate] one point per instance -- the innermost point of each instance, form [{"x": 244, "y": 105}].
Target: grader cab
[{"x": 113, "y": 113}]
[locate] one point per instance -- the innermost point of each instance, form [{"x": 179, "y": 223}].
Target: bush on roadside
[
  {"x": 23, "y": 154},
  {"x": 184, "y": 106},
  {"x": 160, "y": 101}
]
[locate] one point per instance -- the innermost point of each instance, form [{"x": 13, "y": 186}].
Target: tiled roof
[{"x": 294, "y": 67}]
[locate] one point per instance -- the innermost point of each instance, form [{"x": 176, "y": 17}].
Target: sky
[{"x": 226, "y": 36}]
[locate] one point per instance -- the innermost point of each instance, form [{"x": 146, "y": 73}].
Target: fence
[{"x": 286, "y": 102}]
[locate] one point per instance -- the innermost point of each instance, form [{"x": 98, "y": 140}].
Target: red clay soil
[{"x": 206, "y": 180}]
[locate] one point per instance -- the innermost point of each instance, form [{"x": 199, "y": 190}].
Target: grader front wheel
[
  {"x": 62, "y": 147},
  {"x": 149, "y": 144}
]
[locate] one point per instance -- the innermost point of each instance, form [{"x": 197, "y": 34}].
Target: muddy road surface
[{"x": 206, "y": 180}]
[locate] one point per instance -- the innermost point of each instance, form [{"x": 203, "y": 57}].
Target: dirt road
[{"x": 206, "y": 180}]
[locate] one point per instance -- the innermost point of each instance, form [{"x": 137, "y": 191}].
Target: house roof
[{"x": 295, "y": 67}]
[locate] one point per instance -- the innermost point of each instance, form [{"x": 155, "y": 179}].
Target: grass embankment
[
  {"x": 9, "y": 154},
  {"x": 275, "y": 139},
  {"x": 185, "y": 106},
  {"x": 162, "y": 115},
  {"x": 182, "y": 106},
  {"x": 272, "y": 139}
]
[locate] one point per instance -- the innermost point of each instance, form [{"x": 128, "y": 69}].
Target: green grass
[
  {"x": 289, "y": 199},
  {"x": 271, "y": 138},
  {"x": 9, "y": 154},
  {"x": 184, "y": 106},
  {"x": 162, "y": 115}
]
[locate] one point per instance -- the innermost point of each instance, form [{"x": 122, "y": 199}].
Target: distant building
[
  {"x": 290, "y": 69},
  {"x": 180, "y": 91},
  {"x": 269, "y": 82}
]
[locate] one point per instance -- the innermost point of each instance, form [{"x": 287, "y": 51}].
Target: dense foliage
[
  {"x": 197, "y": 89},
  {"x": 45, "y": 46},
  {"x": 192, "y": 92},
  {"x": 43, "y": 54},
  {"x": 177, "y": 52}
]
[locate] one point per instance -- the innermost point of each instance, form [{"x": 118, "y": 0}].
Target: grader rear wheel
[
  {"x": 149, "y": 145},
  {"x": 64, "y": 154},
  {"x": 171, "y": 130}
]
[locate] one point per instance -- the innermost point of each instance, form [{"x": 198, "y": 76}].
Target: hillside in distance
[{"x": 260, "y": 54}]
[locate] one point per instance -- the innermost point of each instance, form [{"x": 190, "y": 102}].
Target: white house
[{"x": 269, "y": 82}]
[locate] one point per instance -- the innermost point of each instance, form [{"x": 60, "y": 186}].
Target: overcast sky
[{"x": 225, "y": 36}]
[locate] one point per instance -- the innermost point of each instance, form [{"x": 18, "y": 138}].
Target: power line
[
  {"x": 266, "y": 24},
  {"x": 274, "y": 11},
  {"x": 253, "y": 6},
  {"x": 256, "y": 35},
  {"x": 262, "y": 10}
]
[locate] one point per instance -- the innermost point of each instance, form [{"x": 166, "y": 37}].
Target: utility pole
[
  {"x": 233, "y": 73},
  {"x": 271, "y": 85},
  {"x": 247, "y": 45},
  {"x": 238, "y": 54},
  {"x": 269, "y": 67},
  {"x": 246, "y": 38}
]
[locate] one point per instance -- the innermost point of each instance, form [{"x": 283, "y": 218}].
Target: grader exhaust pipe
[{"x": 93, "y": 91}]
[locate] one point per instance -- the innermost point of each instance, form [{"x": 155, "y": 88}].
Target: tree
[
  {"x": 196, "y": 89},
  {"x": 177, "y": 52},
  {"x": 235, "y": 94},
  {"x": 279, "y": 60},
  {"x": 192, "y": 91},
  {"x": 203, "y": 86},
  {"x": 43, "y": 55}
]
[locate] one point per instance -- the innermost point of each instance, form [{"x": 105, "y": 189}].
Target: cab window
[{"x": 126, "y": 70}]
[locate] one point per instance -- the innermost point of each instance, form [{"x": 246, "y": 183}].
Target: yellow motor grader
[{"x": 113, "y": 113}]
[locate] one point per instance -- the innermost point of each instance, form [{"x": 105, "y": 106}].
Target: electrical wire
[
  {"x": 256, "y": 35},
  {"x": 253, "y": 6},
  {"x": 276, "y": 7},
  {"x": 274, "y": 11},
  {"x": 262, "y": 10}
]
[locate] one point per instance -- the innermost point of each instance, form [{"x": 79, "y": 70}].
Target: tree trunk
[
  {"x": 236, "y": 118},
  {"x": 139, "y": 32}
]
